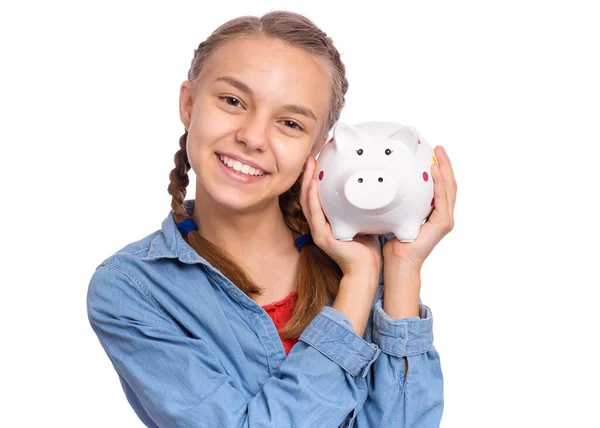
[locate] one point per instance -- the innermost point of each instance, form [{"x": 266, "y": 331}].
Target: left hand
[
  {"x": 440, "y": 222},
  {"x": 362, "y": 254}
]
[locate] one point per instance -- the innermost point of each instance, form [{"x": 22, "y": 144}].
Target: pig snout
[{"x": 370, "y": 189}]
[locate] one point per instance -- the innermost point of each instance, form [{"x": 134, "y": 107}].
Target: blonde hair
[{"x": 318, "y": 275}]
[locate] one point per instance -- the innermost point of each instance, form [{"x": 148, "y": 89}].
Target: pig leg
[
  {"x": 343, "y": 231},
  {"x": 408, "y": 231}
]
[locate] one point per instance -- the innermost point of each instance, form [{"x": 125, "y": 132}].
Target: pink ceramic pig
[{"x": 375, "y": 178}]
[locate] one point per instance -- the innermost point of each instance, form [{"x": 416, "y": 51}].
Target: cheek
[
  {"x": 208, "y": 130},
  {"x": 290, "y": 155},
  {"x": 198, "y": 146},
  {"x": 209, "y": 122}
]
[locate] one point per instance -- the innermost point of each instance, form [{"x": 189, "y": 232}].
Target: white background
[{"x": 89, "y": 125}]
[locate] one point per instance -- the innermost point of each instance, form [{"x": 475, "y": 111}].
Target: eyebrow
[{"x": 295, "y": 108}]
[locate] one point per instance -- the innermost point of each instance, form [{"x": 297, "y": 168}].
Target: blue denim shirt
[{"x": 192, "y": 350}]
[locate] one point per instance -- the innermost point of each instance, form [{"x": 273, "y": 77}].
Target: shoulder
[
  {"x": 125, "y": 264},
  {"x": 118, "y": 277},
  {"x": 145, "y": 272},
  {"x": 152, "y": 290}
]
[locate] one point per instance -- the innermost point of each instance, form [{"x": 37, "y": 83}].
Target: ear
[
  {"x": 185, "y": 103},
  {"x": 343, "y": 132},
  {"x": 407, "y": 135}
]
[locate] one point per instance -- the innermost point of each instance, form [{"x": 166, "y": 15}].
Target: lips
[
  {"x": 239, "y": 176},
  {"x": 240, "y": 167},
  {"x": 242, "y": 161}
]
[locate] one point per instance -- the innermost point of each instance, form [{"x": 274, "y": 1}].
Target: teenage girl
[{"x": 243, "y": 310}]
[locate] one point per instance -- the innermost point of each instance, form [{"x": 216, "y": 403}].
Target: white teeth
[{"x": 240, "y": 167}]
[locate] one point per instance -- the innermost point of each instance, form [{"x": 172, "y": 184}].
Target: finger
[
  {"x": 308, "y": 175},
  {"x": 448, "y": 173},
  {"x": 439, "y": 194},
  {"x": 318, "y": 222}
]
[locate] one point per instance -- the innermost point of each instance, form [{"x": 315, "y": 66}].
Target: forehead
[{"x": 274, "y": 70}]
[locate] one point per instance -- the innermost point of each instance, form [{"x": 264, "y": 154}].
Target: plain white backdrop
[{"x": 89, "y": 125}]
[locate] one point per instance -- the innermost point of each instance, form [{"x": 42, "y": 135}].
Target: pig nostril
[
  {"x": 360, "y": 180},
  {"x": 380, "y": 179}
]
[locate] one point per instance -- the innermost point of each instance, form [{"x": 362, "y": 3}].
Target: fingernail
[{"x": 444, "y": 151}]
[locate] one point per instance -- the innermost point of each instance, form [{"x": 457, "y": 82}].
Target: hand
[
  {"x": 363, "y": 253},
  {"x": 440, "y": 222}
]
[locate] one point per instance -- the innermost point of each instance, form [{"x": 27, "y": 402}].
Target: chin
[
  {"x": 235, "y": 202},
  {"x": 230, "y": 193},
  {"x": 233, "y": 199}
]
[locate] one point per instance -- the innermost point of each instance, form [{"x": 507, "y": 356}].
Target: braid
[
  {"x": 289, "y": 202},
  {"x": 179, "y": 180},
  {"x": 318, "y": 275}
]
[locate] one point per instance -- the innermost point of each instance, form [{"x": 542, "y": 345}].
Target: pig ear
[
  {"x": 343, "y": 132},
  {"x": 407, "y": 135}
]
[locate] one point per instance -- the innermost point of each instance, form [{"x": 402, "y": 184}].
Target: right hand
[{"x": 361, "y": 255}]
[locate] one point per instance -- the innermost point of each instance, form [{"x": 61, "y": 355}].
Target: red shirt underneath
[{"x": 280, "y": 312}]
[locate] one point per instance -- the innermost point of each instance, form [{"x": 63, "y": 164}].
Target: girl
[{"x": 233, "y": 314}]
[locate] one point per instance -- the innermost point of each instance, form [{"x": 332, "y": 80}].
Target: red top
[{"x": 280, "y": 312}]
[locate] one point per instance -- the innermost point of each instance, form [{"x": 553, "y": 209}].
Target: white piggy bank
[{"x": 375, "y": 178}]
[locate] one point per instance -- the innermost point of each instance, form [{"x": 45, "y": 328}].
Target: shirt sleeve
[
  {"x": 393, "y": 398},
  {"x": 180, "y": 382}
]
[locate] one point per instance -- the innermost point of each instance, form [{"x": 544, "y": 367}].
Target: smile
[{"x": 240, "y": 167}]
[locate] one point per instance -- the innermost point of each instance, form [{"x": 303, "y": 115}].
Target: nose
[
  {"x": 253, "y": 133},
  {"x": 370, "y": 189}
]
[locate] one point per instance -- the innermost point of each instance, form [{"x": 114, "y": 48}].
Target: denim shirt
[{"x": 192, "y": 350}]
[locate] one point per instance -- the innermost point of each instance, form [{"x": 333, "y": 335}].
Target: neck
[{"x": 248, "y": 236}]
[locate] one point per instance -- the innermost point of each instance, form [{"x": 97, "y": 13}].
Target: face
[{"x": 253, "y": 116}]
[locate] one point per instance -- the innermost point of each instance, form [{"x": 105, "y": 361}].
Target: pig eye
[
  {"x": 359, "y": 151},
  {"x": 388, "y": 152}
]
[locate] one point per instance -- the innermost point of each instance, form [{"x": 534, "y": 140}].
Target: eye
[
  {"x": 293, "y": 124},
  {"x": 388, "y": 152},
  {"x": 360, "y": 152},
  {"x": 235, "y": 100}
]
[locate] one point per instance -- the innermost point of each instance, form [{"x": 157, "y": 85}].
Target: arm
[
  {"x": 180, "y": 381},
  {"x": 405, "y": 383}
]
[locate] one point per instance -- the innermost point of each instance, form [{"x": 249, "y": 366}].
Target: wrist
[
  {"x": 399, "y": 303},
  {"x": 402, "y": 268},
  {"x": 402, "y": 287},
  {"x": 363, "y": 269},
  {"x": 405, "y": 262},
  {"x": 369, "y": 273},
  {"x": 396, "y": 276},
  {"x": 354, "y": 297}
]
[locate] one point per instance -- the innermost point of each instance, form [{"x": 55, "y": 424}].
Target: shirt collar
[{"x": 169, "y": 243}]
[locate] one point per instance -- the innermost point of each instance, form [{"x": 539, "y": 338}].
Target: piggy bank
[{"x": 375, "y": 178}]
